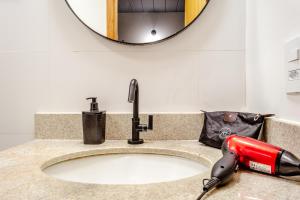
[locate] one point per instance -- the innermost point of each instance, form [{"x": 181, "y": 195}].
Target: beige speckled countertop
[{"x": 21, "y": 176}]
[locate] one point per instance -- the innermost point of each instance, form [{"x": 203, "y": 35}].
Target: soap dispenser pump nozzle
[{"x": 94, "y": 104}]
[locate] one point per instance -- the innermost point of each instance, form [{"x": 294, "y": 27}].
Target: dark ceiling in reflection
[{"x": 129, "y": 6}]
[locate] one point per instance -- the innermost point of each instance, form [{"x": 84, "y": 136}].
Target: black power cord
[
  {"x": 201, "y": 195},
  {"x": 210, "y": 184}
]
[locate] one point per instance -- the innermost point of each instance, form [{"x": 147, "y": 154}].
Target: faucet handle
[
  {"x": 145, "y": 127},
  {"x": 150, "y": 122}
]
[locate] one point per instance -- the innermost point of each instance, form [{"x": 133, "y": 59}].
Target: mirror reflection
[{"x": 137, "y": 21}]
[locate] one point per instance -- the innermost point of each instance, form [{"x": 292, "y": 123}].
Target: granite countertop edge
[{"x": 21, "y": 175}]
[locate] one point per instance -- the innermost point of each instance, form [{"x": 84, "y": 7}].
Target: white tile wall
[
  {"x": 268, "y": 30},
  {"x": 49, "y": 62}
]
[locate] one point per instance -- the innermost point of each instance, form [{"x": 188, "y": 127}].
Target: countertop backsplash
[
  {"x": 118, "y": 126},
  {"x": 167, "y": 126}
]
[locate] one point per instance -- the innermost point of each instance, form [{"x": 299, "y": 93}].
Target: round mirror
[{"x": 137, "y": 21}]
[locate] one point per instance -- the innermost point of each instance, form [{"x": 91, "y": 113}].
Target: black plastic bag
[{"x": 219, "y": 125}]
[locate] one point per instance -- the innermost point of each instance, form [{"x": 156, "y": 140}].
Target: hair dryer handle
[
  {"x": 221, "y": 172},
  {"x": 225, "y": 167}
]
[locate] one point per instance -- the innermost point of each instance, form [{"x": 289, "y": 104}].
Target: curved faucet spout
[
  {"x": 133, "y": 90},
  {"x": 133, "y": 97}
]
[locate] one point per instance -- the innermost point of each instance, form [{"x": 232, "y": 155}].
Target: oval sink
[{"x": 126, "y": 169}]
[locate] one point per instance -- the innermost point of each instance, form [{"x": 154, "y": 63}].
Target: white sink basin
[{"x": 126, "y": 169}]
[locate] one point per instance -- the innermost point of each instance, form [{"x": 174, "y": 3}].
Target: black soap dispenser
[{"x": 93, "y": 124}]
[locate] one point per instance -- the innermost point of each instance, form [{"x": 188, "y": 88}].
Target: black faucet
[{"x": 133, "y": 97}]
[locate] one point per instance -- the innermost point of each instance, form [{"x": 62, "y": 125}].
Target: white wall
[
  {"x": 49, "y": 62},
  {"x": 270, "y": 23}
]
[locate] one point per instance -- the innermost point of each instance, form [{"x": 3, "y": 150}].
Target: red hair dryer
[{"x": 252, "y": 154}]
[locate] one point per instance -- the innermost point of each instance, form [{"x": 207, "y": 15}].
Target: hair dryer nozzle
[{"x": 289, "y": 164}]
